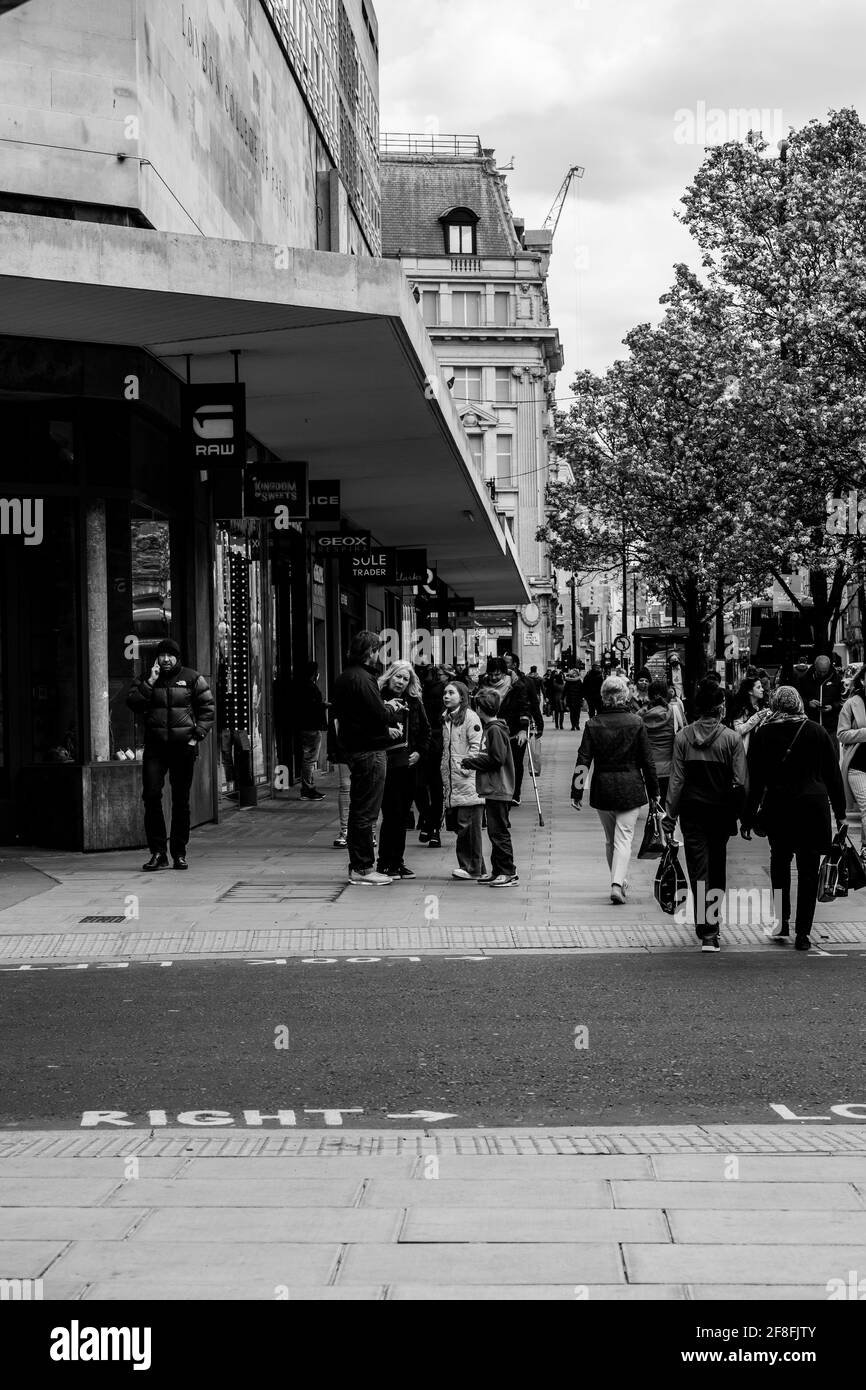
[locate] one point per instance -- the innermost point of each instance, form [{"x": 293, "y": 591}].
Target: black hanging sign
[{"x": 215, "y": 418}]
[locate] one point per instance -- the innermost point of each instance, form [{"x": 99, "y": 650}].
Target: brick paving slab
[{"x": 752, "y": 1264}]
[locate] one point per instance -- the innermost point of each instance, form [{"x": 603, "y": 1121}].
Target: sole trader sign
[{"x": 386, "y": 565}]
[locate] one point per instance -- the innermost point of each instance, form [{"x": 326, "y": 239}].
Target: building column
[{"x": 97, "y": 629}]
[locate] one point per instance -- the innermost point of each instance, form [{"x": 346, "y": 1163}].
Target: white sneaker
[
  {"x": 371, "y": 880},
  {"x": 465, "y": 875},
  {"x": 504, "y": 881}
]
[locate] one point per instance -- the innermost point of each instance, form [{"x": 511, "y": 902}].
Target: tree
[
  {"x": 659, "y": 448},
  {"x": 783, "y": 237}
]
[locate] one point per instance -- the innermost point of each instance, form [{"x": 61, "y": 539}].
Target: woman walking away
[
  {"x": 749, "y": 708},
  {"x": 663, "y": 722},
  {"x": 494, "y": 781},
  {"x": 852, "y": 738},
  {"x": 707, "y": 791},
  {"x": 461, "y": 738},
  {"x": 616, "y": 745},
  {"x": 794, "y": 768},
  {"x": 401, "y": 683},
  {"x": 557, "y": 699},
  {"x": 574, "y": 696}
]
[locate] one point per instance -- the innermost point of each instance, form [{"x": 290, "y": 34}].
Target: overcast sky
[{"x": 618, "y": 86}]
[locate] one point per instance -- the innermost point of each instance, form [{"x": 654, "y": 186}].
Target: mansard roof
[{"x": 419, "y": 190}]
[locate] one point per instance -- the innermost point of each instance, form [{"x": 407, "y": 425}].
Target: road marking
[
  {"x": 332, "y": 1118},
  {"x": 431, "y": 1117},
  {"x": 844, "y": 1109}
]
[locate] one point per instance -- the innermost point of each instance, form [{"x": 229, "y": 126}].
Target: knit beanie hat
[
  {"x": 709, "y": 697},
  {"x": 167, "y": 647}
]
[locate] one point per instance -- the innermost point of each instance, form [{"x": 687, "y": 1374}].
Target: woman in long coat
[{"x": 794, "y": 760}]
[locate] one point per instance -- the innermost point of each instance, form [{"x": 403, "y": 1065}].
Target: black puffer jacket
[
  {"x": 178, "y": 707},
  {"x": 616, "y": 746}
]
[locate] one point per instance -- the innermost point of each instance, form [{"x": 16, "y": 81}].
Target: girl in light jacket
[
  {"x": 852, "y": 740},
  {"x": 461, "y": 738}
]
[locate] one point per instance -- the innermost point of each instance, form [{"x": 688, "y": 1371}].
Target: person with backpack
[
  {"x": 494, "y": 781},
  {"x": 707, "y": 792},
  {"x": 794, "y": 779},
  {"x": 852, "y": 740}
]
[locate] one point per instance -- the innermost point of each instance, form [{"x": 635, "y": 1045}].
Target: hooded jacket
[
  {"x": 178, "y": 707},
  {"x": 662, "y": 724},
  {"x": 494, "y": 764},
  {"x": 460, "y": 741},
  {"x": 708, "y": 771}
]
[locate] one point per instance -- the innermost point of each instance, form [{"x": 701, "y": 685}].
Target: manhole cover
[
  {"x": 82, "y": 920},
  {"x": 282, "y": 892}
]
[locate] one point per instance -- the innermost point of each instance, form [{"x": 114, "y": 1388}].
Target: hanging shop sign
[
  {"x": 385, "y": 565},
  {"x": 276, "y": 488},
  {"x": 340, "y": 543},
  {"x": 324, "y": 499},
  {"x": 215, "y": 418}
]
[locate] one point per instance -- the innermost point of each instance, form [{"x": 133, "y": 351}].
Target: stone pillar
[{"x": 97, "y": 627}]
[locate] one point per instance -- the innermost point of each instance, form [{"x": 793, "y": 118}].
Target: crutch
[{"x": 534, "y": 779}]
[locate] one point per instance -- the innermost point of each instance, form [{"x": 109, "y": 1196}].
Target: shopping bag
[
  {"x": 852, "y": 867},
  {"x": 670, "y": 886},
  {"x": 831, "y": 877},
  {"x": 653, "y": 842}
]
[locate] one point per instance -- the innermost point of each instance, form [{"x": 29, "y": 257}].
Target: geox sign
[{"x": 216, "y": 424}]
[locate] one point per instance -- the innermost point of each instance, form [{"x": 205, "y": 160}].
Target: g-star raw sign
[
  {"x": 276, "y": 487},
  {"x": 216, "y": 423},
  {"x": 386, "y": 565}
]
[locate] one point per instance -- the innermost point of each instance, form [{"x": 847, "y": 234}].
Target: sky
[{"x": 633, "y": 90}]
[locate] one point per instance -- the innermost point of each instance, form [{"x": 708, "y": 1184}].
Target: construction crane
[{"x": 575, "y": 172}]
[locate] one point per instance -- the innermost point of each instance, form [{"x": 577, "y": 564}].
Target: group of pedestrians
[{"x": 777, "y": 763}]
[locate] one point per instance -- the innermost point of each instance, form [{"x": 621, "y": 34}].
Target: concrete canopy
[{"x": 334, "y": 354}]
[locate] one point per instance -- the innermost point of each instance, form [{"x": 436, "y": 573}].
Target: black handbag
[
  {"x": 832, "y": 883},
  {"x": 670, "y": 887},
  {"x": 852, "y": 867},
  {"x": 759, "y": 822},
  {"x": 653, "y": 842}
]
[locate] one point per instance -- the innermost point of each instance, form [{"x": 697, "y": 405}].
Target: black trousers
[
  {"x": 178, "y": 762},
  {"x": 808, "y": 867},
  {"x": 519, "y": 752},
  {"x": 430, "y": 794},
  {"x": 366, "y": 788},
  {"x": 574, "y": 713},
  {"x": 499, "y": 834},
  {"x": 705, "y": 843},
  {"x": 396, "y": 800},
  {"x": 558, "y": 714}
]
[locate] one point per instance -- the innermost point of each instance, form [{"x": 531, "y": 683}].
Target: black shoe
[
  {"x": 403, "y": 872},
  {"x": 180, "y": 862},
  {"x": 156, "y": 861},
  {"x": 423, "y": 836},
  {"x": 435, "y": 841},
  {"x": 310, "y": 794},
  {"x": 802, "y": 943}
]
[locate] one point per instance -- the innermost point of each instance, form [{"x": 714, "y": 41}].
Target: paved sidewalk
[
  {"x": 669, "y": 1213},
  {"x": 268, "y": 882}
]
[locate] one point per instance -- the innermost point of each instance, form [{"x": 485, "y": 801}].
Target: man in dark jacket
[
  {"x": 707, "y": 790},
  {"x": 177, "y": 706},
  {"x": 823, "y": 698},
  {"x": 523, "y": 696},
  {"x": 592, "y": 689},
  {"x": 365, "y": 721},
  {"x": 429, "y": 794},
  {"x": 310, "y": 719}
]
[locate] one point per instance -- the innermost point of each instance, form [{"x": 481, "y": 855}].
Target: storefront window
[
  {"x": 242, "y": 684},
  {"x": 49, "y": 620},
  {"x": 139, "y": 611}
]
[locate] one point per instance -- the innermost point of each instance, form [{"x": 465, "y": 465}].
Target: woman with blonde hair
[
  {"x": 400, "y": 682},
  {"x": 616, "y": 745},
  {"x": 461, "y": 739}
]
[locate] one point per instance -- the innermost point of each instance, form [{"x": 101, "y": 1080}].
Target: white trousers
[{"x": 619, "y": 828}]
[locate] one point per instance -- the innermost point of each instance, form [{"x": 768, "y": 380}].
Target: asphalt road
[{"x": 671, "y": 1038}]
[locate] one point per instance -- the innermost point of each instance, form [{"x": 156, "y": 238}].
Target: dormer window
[{"x": 461, "y": 231}]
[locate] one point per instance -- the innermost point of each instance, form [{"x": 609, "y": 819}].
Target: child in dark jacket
[{"x": 494, "y": 780}]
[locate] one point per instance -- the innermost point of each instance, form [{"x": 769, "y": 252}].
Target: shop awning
[{"x": 335, "y": 357}]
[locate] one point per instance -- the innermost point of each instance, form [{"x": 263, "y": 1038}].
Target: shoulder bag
[{"x": 760, "y": 818}]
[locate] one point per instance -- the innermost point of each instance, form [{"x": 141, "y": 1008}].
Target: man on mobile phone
[{"x": 177, "y": 705}]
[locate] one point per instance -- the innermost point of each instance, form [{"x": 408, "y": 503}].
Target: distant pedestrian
[
  {"x": 404, "y": 755},
  {"x": 592, "y": 683},
  {"x": 821, "y": 689},
  {"x": 616, "y": 746},
  {"x": 494, "y": 782},
  {"x": 556, "y": 695},
  {"x": 310, "y": 717},
  {"x": 749, "y": 708},
  {"x": 663, "y": 722},
  {"x": 793, "y": 760},
  {"x": 429, "y": 795},
  {"x": 461, "y": 738},
  {"x": 178, "y": 708},
  {"x": 368, "y": 726},
  {"x": 852, "y": 739},
  {"x": 339, "y": 758},
  {"x": 536, "y": 682},
  {"x": 574, "y": 696},
  {"x": 707, "y": 792}
]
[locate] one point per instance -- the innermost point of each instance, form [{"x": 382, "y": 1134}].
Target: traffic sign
[{"x": 622, "y": 643}]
